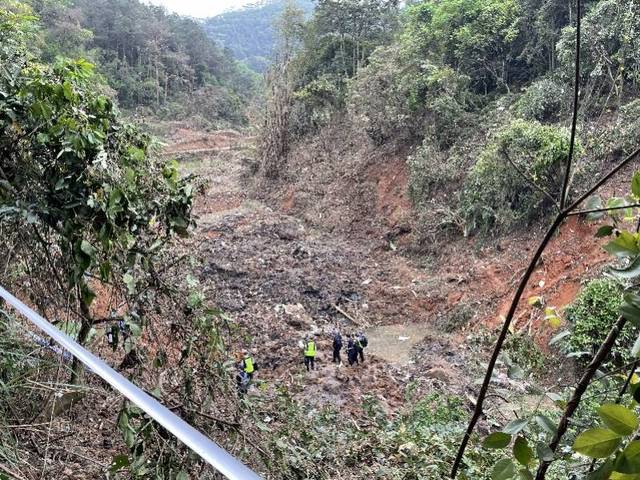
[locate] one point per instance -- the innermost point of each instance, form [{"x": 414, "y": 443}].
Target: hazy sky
[{"x": 200, "y": 8}]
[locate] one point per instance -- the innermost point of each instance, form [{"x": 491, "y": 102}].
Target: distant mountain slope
[{"x": 249, "y": 32}]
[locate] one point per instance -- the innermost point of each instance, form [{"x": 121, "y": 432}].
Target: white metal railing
[{"x": 209, "y": 451}]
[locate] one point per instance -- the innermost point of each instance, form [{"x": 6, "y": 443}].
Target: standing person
[
  {"x": 352, "y": 352},
  {"x": 337, "y": 346},
  {"x": 310, "y": 353},
  {"x": 361, "y": 344},
  {"x": 112, "y": 337},
  {"x": 248, "y": 364},
  {"x": 243, "y": 380}
]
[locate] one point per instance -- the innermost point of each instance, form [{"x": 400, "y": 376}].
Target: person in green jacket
[{"x": 310, "y": 354}]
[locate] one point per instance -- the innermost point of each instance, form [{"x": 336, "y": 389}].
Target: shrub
[
  {"x": 544, "y": 101},
  {"x": 401, "y": 97},
  {"x": 430, "y": 169},
  {"x": 623, "y": 138},
  {"x": 315, "y": 104},
  {"x": 497, "y": 196},
  {"x": 525, "y": 352},
  {"x": 591, "y": 316}
]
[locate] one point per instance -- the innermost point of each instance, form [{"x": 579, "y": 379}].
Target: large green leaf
[
  {"x": 546, "y": 424},
  {"x": 515, "y": 426},
  {"x": 629, "y": 460},
  {"x": 603, "y": 472},
  {"x": 545, "y": 454},
  {"x": 605, "y": 231},
  {"x": 597, "y": 443},
  {"x": 629, "y": 272},
  {"x": 624, "y": 476},
  {"x": 497, "y": 440},
  {"x": 618, "y": 418},
  {"x": 525, "y": 474},
  {"x": 522, "y": 452},
  {"x": 623, "y": 246},
  {"x": 630, "y": 308},
  {"x": 504, "y": 469}
]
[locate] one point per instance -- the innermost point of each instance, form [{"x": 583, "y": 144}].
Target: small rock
[{"x": 439, "y": 374}]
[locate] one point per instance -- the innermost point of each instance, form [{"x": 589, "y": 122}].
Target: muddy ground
[{"x": 282, "y": 269}]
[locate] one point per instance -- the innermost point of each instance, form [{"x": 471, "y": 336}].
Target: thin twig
[
  {"x": 574, "y": 121},
  {"x": 581, "y": 387},
  {"x": 603, "y": 209}
]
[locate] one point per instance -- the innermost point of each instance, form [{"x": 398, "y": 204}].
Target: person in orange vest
[{"x": 310, "y": 354}]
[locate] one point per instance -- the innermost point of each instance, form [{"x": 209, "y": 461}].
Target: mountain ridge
[{"x": 249, "y": 32}]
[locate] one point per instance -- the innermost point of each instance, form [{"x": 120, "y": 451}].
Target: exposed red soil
[{"x": 359, "y": 192}]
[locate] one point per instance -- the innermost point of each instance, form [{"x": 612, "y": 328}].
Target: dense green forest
[
  {"x": 468, "y": 105},
  {"x": 250, "y": 32},
  {"x": 162, "y": 64},
  {"x": 425, "y": 75}
]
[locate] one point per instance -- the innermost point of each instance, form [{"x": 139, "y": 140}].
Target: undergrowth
[
  {"x": 418, "y": 443},
  {"x": 591, "y": 315}
]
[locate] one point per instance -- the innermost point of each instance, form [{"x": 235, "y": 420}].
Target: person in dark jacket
[
  {"x": 361, "y": 344},
  {"x": 352, "y": 352},
  {"x": 243, "y": 381},
  {"x": 337, "y": 346}
]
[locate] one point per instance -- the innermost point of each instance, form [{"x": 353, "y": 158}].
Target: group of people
[
  {"x": 355, "y": 349},
  {"x": 356, "y": 343}
]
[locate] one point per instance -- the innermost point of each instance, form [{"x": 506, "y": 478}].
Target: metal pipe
[{"x": 209, "y": 451}]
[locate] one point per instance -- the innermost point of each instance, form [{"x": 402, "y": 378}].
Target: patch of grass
[
  {"x": 458, "y": 317},
  {"x": 592, "y": 315}
]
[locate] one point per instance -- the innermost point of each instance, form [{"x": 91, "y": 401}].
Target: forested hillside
[
  {"x": 250, "y": 32},
  {"x": 160, "y": 63},
  {"x": 479, "y": 115},
  {"x": 410, "y": 251}
]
